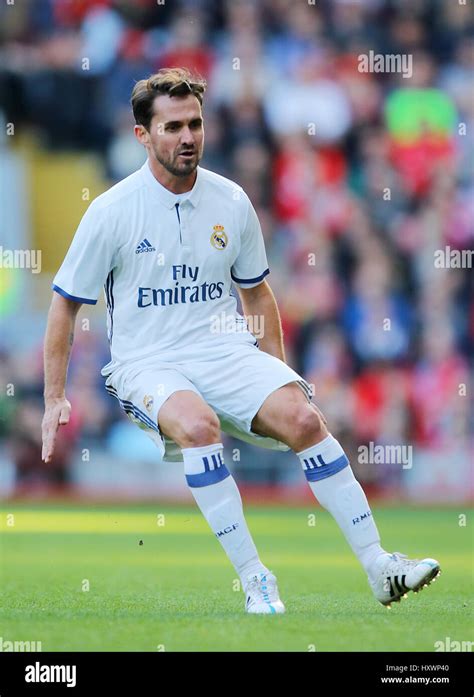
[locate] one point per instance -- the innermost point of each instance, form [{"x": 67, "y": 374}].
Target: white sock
[
  {"x": 332, "y": 482},
  {"x": 216, "y": 493}
]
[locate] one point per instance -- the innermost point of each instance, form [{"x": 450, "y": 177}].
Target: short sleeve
[
  {"x": 251, "y": 266},
  {"x": 88, "y": 261}
]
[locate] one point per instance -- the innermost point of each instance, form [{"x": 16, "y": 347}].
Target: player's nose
[{"x": 187, "y": 137}]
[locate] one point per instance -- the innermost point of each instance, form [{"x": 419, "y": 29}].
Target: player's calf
[
  {"x": 332, "y": 481},
  {"x": 218, "y": 498}
]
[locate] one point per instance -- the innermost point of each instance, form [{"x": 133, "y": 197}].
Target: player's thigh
[
  {"x": 188, "y": 420},
  {"x": 285, "y": 411},
  {"x": 163, "y": 399},
  {"x": 238, "y": 382}
]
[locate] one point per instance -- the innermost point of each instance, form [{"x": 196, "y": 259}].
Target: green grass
[{"x": 176, "y": 589}]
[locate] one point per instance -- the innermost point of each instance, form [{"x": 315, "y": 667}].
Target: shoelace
[
  {"x": 260, "y": 587},
  {"x": 397, "y": 558}
]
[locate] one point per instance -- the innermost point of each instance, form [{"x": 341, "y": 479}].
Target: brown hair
[{"x": 172, "y": 81}]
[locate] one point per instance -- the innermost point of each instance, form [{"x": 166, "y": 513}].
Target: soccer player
[{"x": 165, "y": 244}]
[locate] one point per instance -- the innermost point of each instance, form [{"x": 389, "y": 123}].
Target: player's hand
[{"x": 56, "y": 413}]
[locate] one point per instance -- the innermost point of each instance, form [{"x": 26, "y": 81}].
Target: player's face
[{"x": 176, "y": 136}]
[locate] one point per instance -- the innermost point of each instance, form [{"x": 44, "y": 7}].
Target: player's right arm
[
  {"x": 78, "y": 281},
  {"x": 57, "y": 349}
]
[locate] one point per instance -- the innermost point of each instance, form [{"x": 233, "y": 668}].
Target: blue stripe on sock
[
  {"x": 207, "y": 478},
  {"x": 314, "y": 475}
]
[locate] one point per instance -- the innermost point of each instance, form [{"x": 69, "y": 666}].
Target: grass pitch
[{"x": 153, "y": 578}]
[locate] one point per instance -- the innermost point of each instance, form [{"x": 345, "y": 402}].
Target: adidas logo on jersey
[{"x": 144, "y": 246}]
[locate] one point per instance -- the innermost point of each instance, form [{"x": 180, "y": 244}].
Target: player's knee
[
  {"x": 201, "y": 430},
  {"x": 307, "y": 426}
]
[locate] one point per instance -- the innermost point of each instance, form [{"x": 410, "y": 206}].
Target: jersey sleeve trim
[
  {"x": 62, "y": 292},
  {"x": 250, "y": 280}
]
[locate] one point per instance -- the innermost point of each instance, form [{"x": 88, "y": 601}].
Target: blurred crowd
[{"x": 358, "y": 179}]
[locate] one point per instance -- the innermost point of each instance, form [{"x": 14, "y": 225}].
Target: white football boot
[
  {"x": 261, "y": 593},
  {"x": 394, "y": 575}
]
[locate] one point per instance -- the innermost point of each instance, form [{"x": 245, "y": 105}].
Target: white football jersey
[{"x": 166, "y": 263}]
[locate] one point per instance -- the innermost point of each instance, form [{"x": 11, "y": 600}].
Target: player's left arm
[{"x": 261, "y": 311}]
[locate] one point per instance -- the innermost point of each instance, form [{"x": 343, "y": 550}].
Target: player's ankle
[
  {"x": 372, "y": 563},
  {"x": 252, "y": 568}
]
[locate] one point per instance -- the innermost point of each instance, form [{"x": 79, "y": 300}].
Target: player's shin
[
  {"x": 216, "y": 494},
  {"x": 332, "y": 482}
]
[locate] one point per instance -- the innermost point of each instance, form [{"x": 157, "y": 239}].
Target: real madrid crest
[
  {"x": 219, "y": 238},
  {"x": 148, "y": 402}
]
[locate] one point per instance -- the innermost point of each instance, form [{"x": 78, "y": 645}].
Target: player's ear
[{"x": 141, "y": 134}]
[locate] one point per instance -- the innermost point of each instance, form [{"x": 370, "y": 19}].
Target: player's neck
[{"x": 177, "y": 185}]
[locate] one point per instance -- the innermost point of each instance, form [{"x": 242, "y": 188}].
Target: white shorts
[{"x": 234, "y": 385}]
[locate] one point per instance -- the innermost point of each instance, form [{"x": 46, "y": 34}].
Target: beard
[{"x": 179, "y": 168}]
